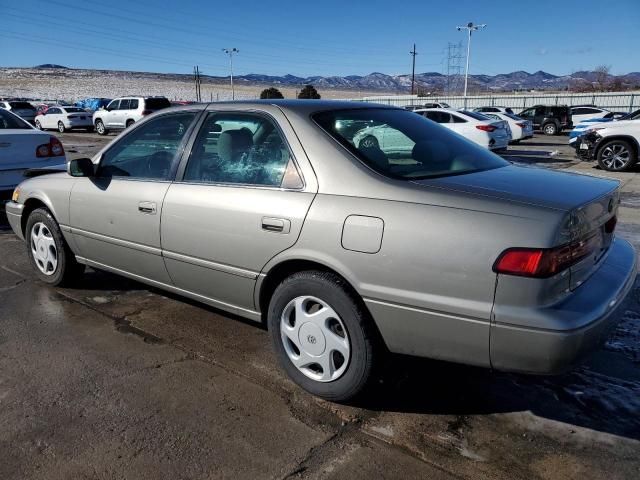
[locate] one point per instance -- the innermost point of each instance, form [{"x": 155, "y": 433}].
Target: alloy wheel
[
  {"x": 43, "y": 249},
  {"x": 616, "y": 156},
  {"x": 315, "y": 339}
]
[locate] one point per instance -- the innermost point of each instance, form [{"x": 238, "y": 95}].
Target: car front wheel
[
  {"x": 51, "y": 257},
  {"x": 617, "y": 156},
  {"x": 323, "y": 337}
]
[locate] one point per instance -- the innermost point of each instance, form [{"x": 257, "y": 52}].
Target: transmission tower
[{"x": 454, "y": 67}]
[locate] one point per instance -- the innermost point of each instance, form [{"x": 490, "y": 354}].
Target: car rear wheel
[
  {"x": 617, "y": 156},
  {"x": 129, "y": 123},
  {"x": 61, "y": 127},
  {"x": 38, "y": 125},
  {"x": 369, "y": 142},
  {"x": 100, "y": 128},
  {"x": 323, "y": 337},
  {"x": 51, "y": 257},
  {"x": 550, "y": 129}
]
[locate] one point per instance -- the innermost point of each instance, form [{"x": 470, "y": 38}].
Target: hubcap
[
  {"x": 100, "y": 127},
  {"x": 368, "y": 142},
  {"x": 549, "y": 129},
  {"x": 61, "y": 127},
  {"x": 615, "y": 156},
  {"x": 43, "y": 249},
  {"x": 315, "y": 339}
]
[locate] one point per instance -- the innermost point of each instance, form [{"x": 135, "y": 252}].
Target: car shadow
[{"x": 602, "y": 395}]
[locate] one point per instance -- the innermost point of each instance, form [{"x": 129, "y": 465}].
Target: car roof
[{"x": 304, "y": 106}]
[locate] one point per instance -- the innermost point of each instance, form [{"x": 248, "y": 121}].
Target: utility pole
[
  {"x": 230, "y": 52},
  {"x": 413, "y": 53},
  {"x": 469, "y": 27}
]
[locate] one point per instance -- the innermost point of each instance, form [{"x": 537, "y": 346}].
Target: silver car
[{"x": 270, "y": 211}]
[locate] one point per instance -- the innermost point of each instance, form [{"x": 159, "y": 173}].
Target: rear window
[
  {"x": 9, "y": 121},
  {"x": 475, "y": 115},
  {"x": 400, "y": 144},
  {"x": 22, "y": 105},
  {"x": 74, "y": 110},
  {"x": 156, "y": 103}
]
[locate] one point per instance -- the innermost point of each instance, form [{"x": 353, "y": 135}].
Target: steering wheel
[{"x": 158, "y": 164}]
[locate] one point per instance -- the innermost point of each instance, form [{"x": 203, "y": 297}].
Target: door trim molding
[
  {"x": 221, "y": 267},
  {"x": 117, "y": 241}
]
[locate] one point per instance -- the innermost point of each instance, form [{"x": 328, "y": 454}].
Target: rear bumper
[
  {"x": 589, "y": 314},
  {"x": 14, "y": 216}
]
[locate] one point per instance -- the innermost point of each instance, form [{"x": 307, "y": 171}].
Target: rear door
[
  {"x": 241, "y": 200},
  {"x": 115, "y": 215}
]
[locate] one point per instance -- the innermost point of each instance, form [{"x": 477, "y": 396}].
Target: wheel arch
[
  {"x": 31, "y": 204},
  {"x": 608, "y": 139}
]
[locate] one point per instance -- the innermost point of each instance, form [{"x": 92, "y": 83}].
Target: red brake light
[
  {"x": 147, "y": 112},
  {"x": 486, "y": 128},
  {"x": 52, "y": 149},
  {"x": 521, "y": 124},
  {"x": 546, "y": 262}
]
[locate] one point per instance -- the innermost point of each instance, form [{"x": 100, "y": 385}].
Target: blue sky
[{"x": 321, "y": 37}]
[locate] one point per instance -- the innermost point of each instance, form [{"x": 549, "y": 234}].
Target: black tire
[
  {"x": 130, "y": 122},
  {"x": 550, "y": 128},
  {"x": 369, "y": 142},
  {"x": 365, "y": 346},
  {"x": 61, "y": 127},
  {"x": 100, "y": 128},
  {"x": 39, "y": 125},
  {"x": 68, "y": 270},
  {"x": 627, "y": 156}
]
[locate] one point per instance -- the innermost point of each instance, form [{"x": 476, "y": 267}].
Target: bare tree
[{"x": 602, "y": 77}]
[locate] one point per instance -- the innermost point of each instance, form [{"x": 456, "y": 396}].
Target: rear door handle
[
  {"x": 147, "y": 207},
  {"x": 277, "y": 225}
]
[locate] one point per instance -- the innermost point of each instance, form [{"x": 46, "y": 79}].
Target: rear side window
[
  {"x": 244, "y": 149},
  {"x": 402, "y": 145},
  {"x": 124, "y": 104},
  {"x": 156, "y": 103},
  {"x": 133, "y": 104},
  {"x": 9, "y": 121}
]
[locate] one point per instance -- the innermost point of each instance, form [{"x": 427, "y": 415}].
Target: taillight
[
  {"x": 521, "y": 124},
  {"x": 545, "y": 262},
  {"x": 486, "y": 128},
  {"x": 52, "y": 149},
  {"x": 147, "y": 112}
]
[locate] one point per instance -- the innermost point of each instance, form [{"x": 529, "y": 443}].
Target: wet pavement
[{"x": 116, "y": 380}]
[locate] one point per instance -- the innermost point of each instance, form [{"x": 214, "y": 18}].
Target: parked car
[
  {"x": 24, "y": 110},
  {"x": 487, "y": 132},
  {"x": 64, "y": 118},
  {"x": 551, "y": 119},
  {"x": 582, "y": 113},
  {"x": 413, "y": 108},
  {"x": 615, "y": 145},
  {"x": 344, "y": 252},
  {"x": 609, "y": 117},
  {"x": 493, "y": 109},
  {"x": 23, "y": 147},
  {"x": 121, "y": 113},
  {"x": 92, "y": 104},
  {"x": 521, "y": 129}
]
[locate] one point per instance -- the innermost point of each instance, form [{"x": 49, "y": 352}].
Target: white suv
[
  {"x": 615, "y": 145},
  {"x": 123, "y": 112}
]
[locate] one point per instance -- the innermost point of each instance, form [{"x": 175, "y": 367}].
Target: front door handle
[
  {"x": 147, "y": 207},
  {"x": 277, "y": 225}
]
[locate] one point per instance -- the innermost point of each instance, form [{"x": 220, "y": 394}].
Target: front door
[
  {"x": 241, "y": 201},
  {"x": 115, "y": 216}
]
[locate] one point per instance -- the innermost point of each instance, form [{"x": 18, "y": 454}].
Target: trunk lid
[{"x": 18, "y": 146}]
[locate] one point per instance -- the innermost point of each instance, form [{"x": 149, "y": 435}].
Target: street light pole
[
  {"x": 469, "y": 27},
  {"x": 230, "y": 52}
]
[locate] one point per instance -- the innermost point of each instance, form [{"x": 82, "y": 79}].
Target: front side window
[
  {"x": 244, "y": 149},
  {"x": 53, "y": 111},
  {"x": 113, "y": 105},
  {"x": 402, "y": 145},
  {"x": 148, "y": 152},
  {"x": 529, "y": 112}
]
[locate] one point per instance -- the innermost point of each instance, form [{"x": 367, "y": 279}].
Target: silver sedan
[{"x": 271, "y": 211}]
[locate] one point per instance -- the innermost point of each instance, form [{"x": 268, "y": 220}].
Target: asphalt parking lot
[{"x": 117, "y": 380}]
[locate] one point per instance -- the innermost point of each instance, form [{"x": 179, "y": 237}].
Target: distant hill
[{"x": 373, "y": 82}]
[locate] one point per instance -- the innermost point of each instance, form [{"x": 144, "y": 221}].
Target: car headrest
[
  {"x": 376, "y": 156},
  {"x": 233, "y": 143},
  {"x": 431, "y": 153}
]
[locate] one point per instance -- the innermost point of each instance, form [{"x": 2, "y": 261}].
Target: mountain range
[{"x": 376, "y": 81}]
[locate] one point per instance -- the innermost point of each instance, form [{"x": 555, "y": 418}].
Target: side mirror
[{"x": 81, "y": 167}]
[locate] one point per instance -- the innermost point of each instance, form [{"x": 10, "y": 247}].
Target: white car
[
  {"x": 24, "y": 110},
  {"x": 123, "y": 112},
  {"x": 580, "y": 114},
  {"x": 614, "y": 145},
  {"x": 63, "y": 118},
  {"x": 492, "y": 109},
  {"x": 23, "y": 147},
  {"x": 521, "y": 129},
  {"x": 485, "y": 131}
]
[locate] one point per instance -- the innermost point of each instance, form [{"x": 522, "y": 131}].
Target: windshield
[
  {"x": 9, "y": 121},
  {"x": 401, "y": 144}
]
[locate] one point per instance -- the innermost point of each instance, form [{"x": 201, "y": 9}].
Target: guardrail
[{"x": 614, "y": 101}]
